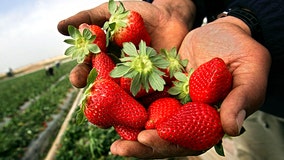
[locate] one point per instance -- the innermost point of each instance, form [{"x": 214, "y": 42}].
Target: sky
[{"x": 28, "y": 29}]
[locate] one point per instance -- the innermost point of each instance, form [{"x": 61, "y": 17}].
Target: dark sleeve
[
  {"x": 209, "y": 9},
  {"x": 270, "y": 15},
  {"x": 150, "y": 1}
]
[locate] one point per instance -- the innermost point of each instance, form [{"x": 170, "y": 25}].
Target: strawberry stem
[
  {"x": 81, "y": 44},
  {"x": 181, "y": 86},
  {"x": 117, "y": 20},
  {"x": 176, "y": 64},
  {"x": 143, "y": 66}
]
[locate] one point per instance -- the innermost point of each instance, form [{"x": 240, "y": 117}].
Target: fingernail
[{"x": 240, "y": 120}]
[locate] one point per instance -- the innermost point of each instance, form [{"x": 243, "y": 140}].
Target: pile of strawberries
[{"x": 132, "y": 87}]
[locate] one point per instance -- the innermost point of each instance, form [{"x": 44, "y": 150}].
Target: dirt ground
[{"x": 36, "y": 66}]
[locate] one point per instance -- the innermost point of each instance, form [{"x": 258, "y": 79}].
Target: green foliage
[
  {"x": 26, "y": 124},
  {"x": 16, "y": 91},
  {"x": 87, "y": 141}
]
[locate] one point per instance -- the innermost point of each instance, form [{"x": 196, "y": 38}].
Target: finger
[
  {"x": 162, "y": 148},
  {"x": 232, "y": 112},
  {"x": 79, "y": 74},
  {"x": 127, "y": 148},
  {"x": 248, "y": 91},
  {"x": 97, "y": 15}
]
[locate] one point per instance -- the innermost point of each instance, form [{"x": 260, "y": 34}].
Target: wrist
[
  {"x": 234, "y": 21},
  {"x": 248, "y": 18}
]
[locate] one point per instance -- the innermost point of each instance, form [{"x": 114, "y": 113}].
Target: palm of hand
[{"x": 248, "y": 61}]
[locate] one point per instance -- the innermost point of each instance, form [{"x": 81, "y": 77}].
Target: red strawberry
[
  {"x": 127, "y": 133},
  {"x": 125, "y": 26},
  {"x": 103, "y": 64},
  {"x": 143, "y": 66},
  {"x": 151, "y": 97},
  {"x": 196, "y": 126},
  {"x": 106, "y": 104},
  {"x": 100, "y": 39},
  {"x": 210, "y": 82},
  {"x": 89, "y": 39},
  {"x": 98, "y": 98},
  {"x": 160, "y": 110}
]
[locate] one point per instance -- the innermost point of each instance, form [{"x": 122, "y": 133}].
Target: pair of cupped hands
[{"x": 169, "y": 25}]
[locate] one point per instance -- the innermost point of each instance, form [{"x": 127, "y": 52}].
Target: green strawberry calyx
[
  {"x": 81, "y": 44},
  {"x": 117, "y": 20},
  {"x": 180, "y": 87},
  {"x": 143, "y": 66},
  {"x": 176, "y": 64}
]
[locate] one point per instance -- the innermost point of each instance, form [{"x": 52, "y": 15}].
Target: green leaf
[
  {"x": 73, "y": 32},
  {"x": 106, "y": 25},
  {"x": 80, "y": 59},
  {"x": 156, "y": 82},
  {"x": 119, "y": 71},
  {"x": 181, "y": 77},
  {"x": 184, "y": 62},
  {"x": 92, "y": 76},
  {"x": 93, "y": 48},
  {"x": 120, "y": 8},
  {"x": 142, "y": 48},
  {"x": 180, "y": 87},
  {"x": 87, "y": 34},
  {"x": 126, "y": 60},
  {"x": 174, "y": 91},
  {"x": 135, "y": 84},
  {"x": 130, "y": 49},
  {"x": 219, "y": 149},
  {"x": 70, "y": 41},
  {"x": 151, "y": 52},
  {"x": 80, "y": 117},
  {"x": 111, "y": 6},
  {"x": 112, "y": 26},
  {"x": 69, "y": 51},
  {"x": 160, "y": 62}
]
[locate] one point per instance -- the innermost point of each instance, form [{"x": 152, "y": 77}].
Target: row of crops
[
  {"x": 28, "y": 103},
  {"x": 27, "y": 108}
]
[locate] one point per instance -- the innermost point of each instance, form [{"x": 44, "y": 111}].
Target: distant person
[{"x": 49, "y": 70}]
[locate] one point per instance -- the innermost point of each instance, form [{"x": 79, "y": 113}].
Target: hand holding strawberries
[
  {"x": 163, "y": 22},
  {"x": 247, "y": 60}
]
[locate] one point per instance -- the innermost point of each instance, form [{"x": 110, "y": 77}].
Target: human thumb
[{"x": 233, "y": 112}]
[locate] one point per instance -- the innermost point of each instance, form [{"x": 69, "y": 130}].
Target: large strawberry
[
  {"x": 103, "y": 64},
  {"x": 143, "y": 66},
  {"x": 149, "y": 98},
  {"x": 160, "y": 110},
  {"x": 100, "y": 39},
  {"x": 210, "y": 82},
  {"x": 196, "y": 126},
  {"x": 127, "y": 133},
  {"x": 85, "y": 40},
  {"x": 125, "y": 26},
  {"x": 106, "y": 104}
]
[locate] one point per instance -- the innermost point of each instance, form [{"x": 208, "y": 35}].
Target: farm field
[
  {"x": 31, "y": 104},
  {"x": 34, "y": 106}
]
